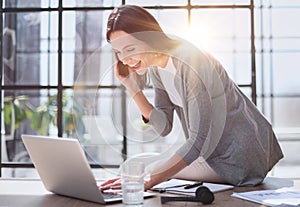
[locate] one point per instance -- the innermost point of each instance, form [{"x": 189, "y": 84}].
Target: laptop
[{"x": 64, "y": 169}]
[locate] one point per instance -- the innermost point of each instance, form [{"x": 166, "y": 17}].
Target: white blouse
[{"x": 167, "y": 76}]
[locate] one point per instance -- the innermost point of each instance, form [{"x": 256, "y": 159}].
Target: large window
[{"x": 56, "y": 76}]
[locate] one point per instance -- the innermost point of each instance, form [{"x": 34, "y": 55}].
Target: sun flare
[{"x": 198, "y": 36}]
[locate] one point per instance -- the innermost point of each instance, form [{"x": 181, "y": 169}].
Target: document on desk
[
  {"x": 280, "y": 197},
  {"x": 178, "y": 186}
]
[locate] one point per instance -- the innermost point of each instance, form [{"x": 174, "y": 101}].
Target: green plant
[
  {"x": 46, "y": 114},
  {"x": 16, "y": 110}
]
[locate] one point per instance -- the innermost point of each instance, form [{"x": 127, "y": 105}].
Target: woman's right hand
[
  {"x": 128, "y": 77},
  {"x": 111, "y": 184}
]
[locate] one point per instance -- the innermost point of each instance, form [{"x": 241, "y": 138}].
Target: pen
[
  {"x": 162, "y": 190},
  {"x": 193, "y": 185}
]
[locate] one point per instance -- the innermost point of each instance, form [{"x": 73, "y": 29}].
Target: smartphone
[{"x": 123, "y": 69}]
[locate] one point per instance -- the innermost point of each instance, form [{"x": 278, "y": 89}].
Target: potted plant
[
  {"x": 16, "y": 110},
  {"x": 45, "y": 116}
]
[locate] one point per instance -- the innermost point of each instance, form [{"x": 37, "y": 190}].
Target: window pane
[
  {"x": 263, "y": 74},
  {"x": 44, "y": 120},
  {"x": 73, "y": 112},
  {"x": 281, "y": 22},
  {"x": 173, "y": 21},
  {"x": 91, "y": 3},
  {"x": 286, "y": 44},
  {"x": 86, "y": 97},
  {"x": 48, "y": 69},
  {"x": 114, "y": 3},
  {"x": 82, "y": 49},
  {"x": 30, "y": 49},
  {"x": 30, "y": 3},
  {"x": 219, "y": 2},
  {"x": 284, "y": 112},
  {"x": 21, "y": 47},
  {"x": 95, "y": 69},
  {"x": 104, "y": 102},
  {"x": 262, "y": 22},
  {"x": 101, "y": 134},
  {"x": 242, "y": 68},
  {"x": 286, "y": 3},
  {"x": 157, "y": 2},
  {"x": 68, "y": 66},
  {"x": 226, "y": 34},
  {"x": 26, "y": 112},
  {"x": 210, "y": 27},
  {"x": 15, "y": 72},
  {"x": 286, "y": 73}
]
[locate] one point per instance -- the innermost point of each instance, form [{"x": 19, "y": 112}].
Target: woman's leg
[{"x": 199, "y": 170}]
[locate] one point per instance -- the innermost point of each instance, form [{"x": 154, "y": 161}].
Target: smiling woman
[
  {"x": 223, "y": 129},
  {"x": 134, "y": 52},
  {"x": 143, "y": 21}
]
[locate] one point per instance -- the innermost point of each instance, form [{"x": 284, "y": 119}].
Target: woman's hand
[
  {"x": 128, "y": 77},
  {"x": 165, "y": 171},
  {"x": 111, "y": 184},
  {"x": 147, "y": 185},
  {"x": 115, "y": 184},
  {"x": 152, "y": 180}
]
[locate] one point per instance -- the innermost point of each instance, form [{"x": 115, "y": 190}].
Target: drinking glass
[{"x": 132, "y": 180}]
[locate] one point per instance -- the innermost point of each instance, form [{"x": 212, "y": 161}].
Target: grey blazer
[{"x": 219, "y": 122}]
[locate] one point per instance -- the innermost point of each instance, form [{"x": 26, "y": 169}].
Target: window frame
[{"x": 60, "y": 87}]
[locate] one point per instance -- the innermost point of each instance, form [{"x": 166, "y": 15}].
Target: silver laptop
[{"x": 64, "y": 169}]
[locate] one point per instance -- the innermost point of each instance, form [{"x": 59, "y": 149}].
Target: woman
[{"x": 227, "y": 139}]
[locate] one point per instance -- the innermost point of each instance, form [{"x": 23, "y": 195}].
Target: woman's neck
[{"x": 162, "y": 60}]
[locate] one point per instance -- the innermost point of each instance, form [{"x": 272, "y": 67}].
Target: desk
[{"x": 23, "y": 193}]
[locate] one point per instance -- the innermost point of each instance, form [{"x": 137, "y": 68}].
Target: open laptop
[{"x": 64, "y": 169}]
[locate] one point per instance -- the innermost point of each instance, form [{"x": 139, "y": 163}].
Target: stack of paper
[
  {"x": 176, "y": 186},
  {"x": 283, "y": 196}
]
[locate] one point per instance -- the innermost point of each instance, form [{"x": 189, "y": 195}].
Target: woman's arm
[
  {"x": 165, "y": 171},
  {"x": 143, "y": 104}
]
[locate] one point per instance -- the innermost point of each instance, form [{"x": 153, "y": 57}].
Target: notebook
[
  {"x": 178, "y": 186},
  {"x": 64, "y": 169}
]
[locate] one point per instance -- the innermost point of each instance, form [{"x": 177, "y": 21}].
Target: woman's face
[{"x": 132, "y": 52}]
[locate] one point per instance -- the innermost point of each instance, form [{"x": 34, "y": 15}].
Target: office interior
[{"x": 57, "y": 78}]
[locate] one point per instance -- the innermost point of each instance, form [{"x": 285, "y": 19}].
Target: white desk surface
[{"x": 31, "y": 193}]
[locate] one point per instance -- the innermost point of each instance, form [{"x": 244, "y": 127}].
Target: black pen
[
  {"x": 193, "y": 185},
  {"x": 162, "y": 190}
]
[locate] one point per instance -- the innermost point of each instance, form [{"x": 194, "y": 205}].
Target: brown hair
[{"x": 139, "y": 22}]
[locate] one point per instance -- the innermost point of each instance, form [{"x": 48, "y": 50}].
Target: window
[{"x": 56, "y": 70}]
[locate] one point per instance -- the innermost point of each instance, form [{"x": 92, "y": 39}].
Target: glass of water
[{"x": 132, "y": 178}]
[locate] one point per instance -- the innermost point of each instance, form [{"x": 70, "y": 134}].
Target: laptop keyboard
[{"x": 111, "y": 195}]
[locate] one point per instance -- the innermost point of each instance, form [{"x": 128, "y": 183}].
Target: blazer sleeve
[{"x": 198, "y": 115}]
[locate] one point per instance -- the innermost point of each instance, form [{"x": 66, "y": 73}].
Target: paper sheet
[{"x": 283, "y": 196}]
